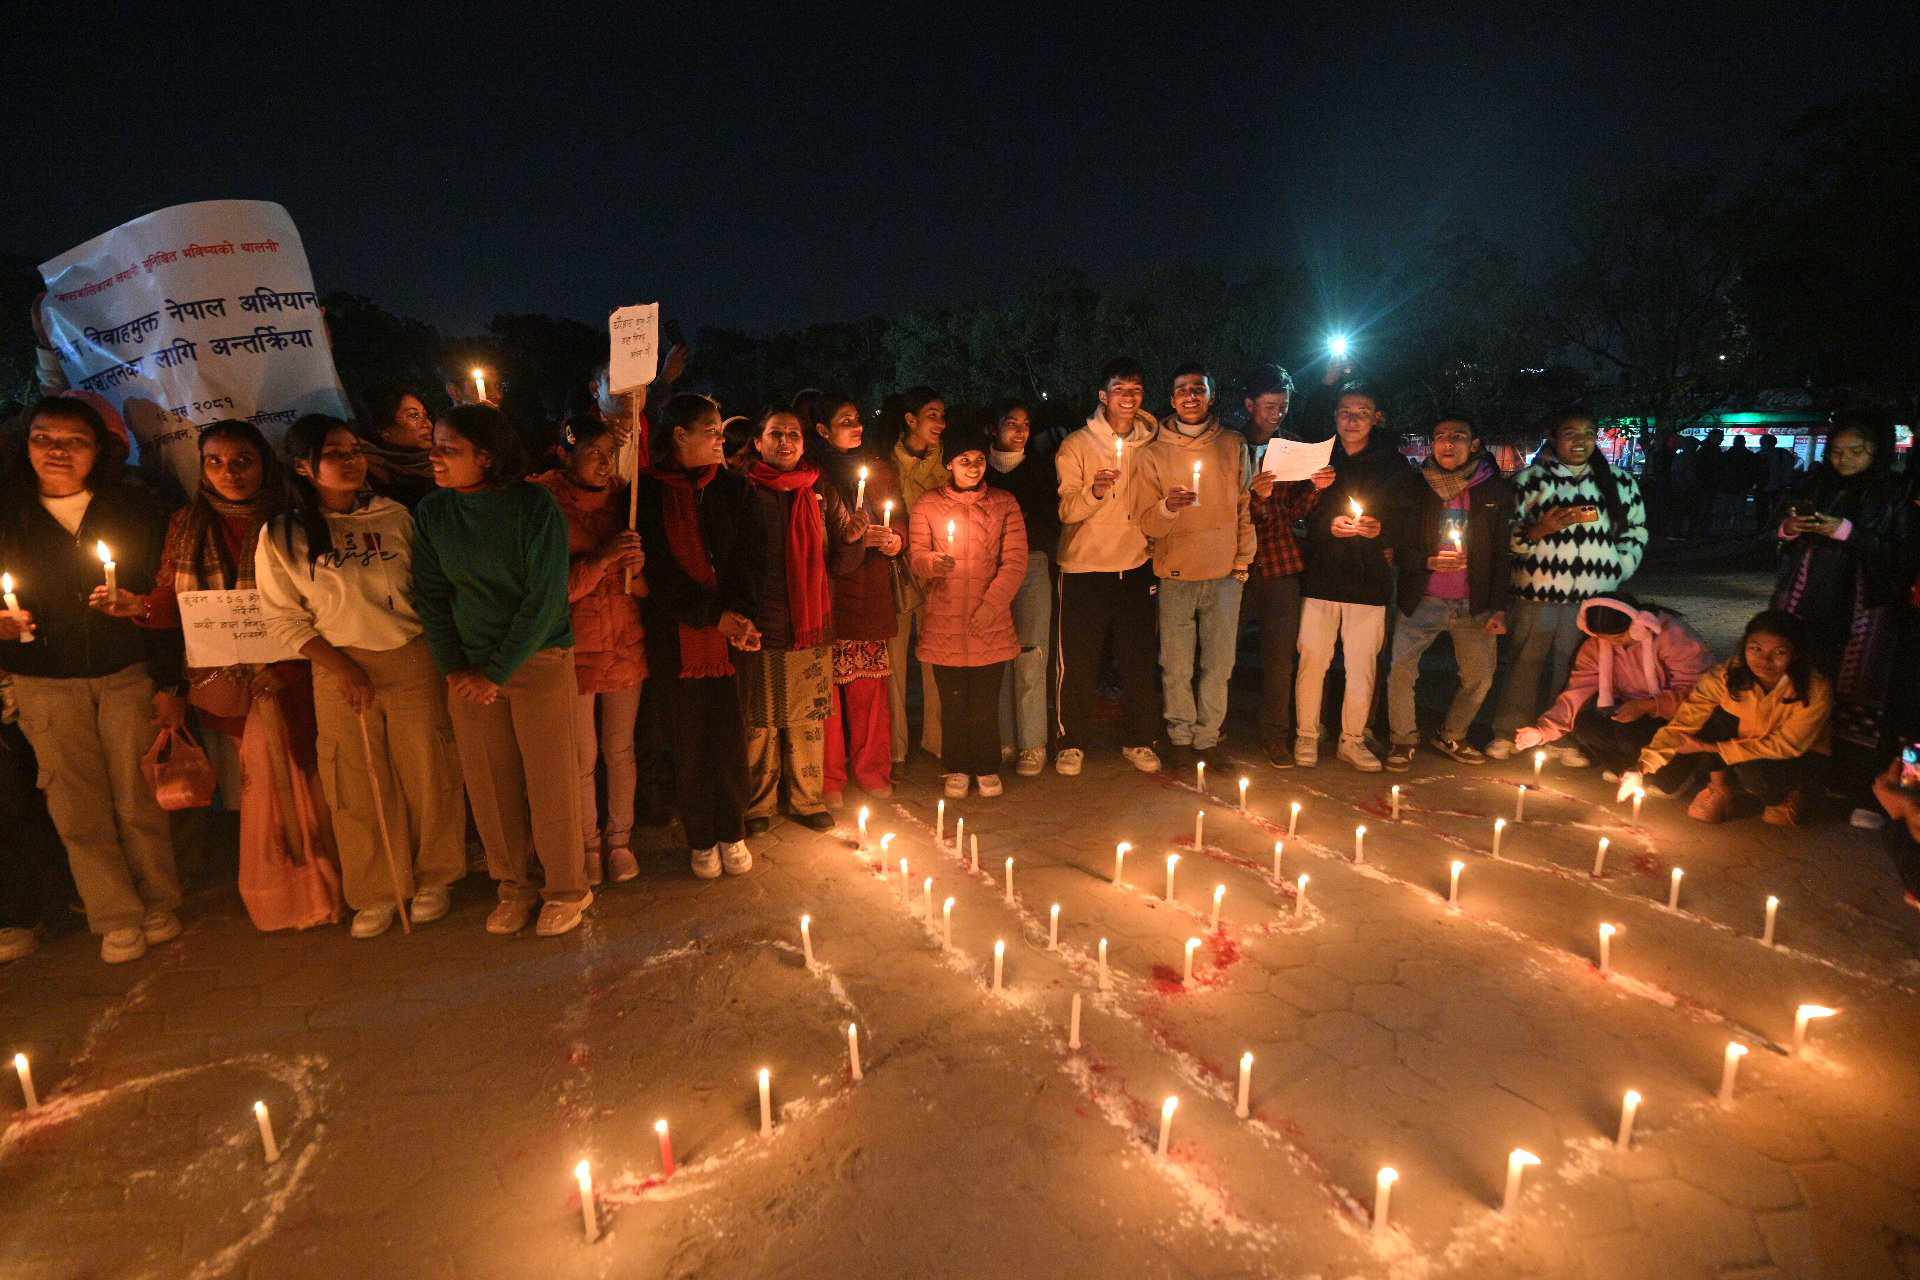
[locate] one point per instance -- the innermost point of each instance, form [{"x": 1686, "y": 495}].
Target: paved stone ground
[{"x": 433, "y": 1092}]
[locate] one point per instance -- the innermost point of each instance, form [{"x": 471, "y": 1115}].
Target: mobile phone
[
  {"x": 1587, "y": 513},
  {"x": 1910, "y": 767}
]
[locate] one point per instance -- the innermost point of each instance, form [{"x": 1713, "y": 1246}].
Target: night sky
[{"x": 773, "y": 166}]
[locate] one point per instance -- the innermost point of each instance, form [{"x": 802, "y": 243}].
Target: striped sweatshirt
[{"x": 1581, "y": 560}]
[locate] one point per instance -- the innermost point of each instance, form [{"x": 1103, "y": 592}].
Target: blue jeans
[
  {"x": 1208, "y": 611},
  {"x": 1475, "y": 652},
  {"x": 1542, "y": 634},
  {"x": 1023, "y": 698}
]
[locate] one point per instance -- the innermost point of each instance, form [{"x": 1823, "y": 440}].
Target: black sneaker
[
  {"x": 816, "y": 821},
  {"x": 1456, "y": 750},
  {"x": 759, "y": 826},
  {"x": 1400, "y": 758},
  {"x": 1179, "y": 758},
  {"x": 1279, "y": 754}
]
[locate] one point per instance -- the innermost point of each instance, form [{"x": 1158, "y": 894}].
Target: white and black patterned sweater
[{"x": 1581, "y": 560}]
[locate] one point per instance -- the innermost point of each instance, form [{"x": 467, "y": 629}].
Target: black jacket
[
  {"x": 55, "y": 571},
  {"x": 1488, "y": 544},
  {"x": 1355, "y": 570},
  {"x": 735, "y": 544},
  {"x": 1035, "y": 485}
]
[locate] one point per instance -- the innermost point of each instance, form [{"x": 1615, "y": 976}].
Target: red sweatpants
[{"x": 868, "y": 719}]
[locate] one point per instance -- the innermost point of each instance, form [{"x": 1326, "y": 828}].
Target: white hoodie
[
  {"x": 1100, "y": 535},
  {"x": 354, "y": 598}
]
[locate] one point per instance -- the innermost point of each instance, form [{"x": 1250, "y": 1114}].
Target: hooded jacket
[
  {"x": 1356, "y": 570},
  {"x": 1214, "y": 537},
  {"x": 1661, "y": 660},
  {"x": 1101, "y": 535}
]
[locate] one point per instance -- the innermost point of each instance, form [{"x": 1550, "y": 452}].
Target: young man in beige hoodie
[
  {"x": 1190, "y": 497},
  {"x": 1105, "y": 582}
]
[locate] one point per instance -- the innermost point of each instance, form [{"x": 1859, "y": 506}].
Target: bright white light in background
[{"x": 1338, "y": 346}]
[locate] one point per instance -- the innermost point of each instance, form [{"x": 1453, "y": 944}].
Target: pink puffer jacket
[{"x": 969, "y": 620}]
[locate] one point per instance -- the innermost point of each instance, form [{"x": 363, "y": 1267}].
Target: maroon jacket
[{"x": 863, "y": 595}]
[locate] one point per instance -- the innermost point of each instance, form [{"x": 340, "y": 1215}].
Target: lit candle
[
  {"x": 940, "y": 823},
  {"x": 1395, "y": 794},
  {"x": 1199, "y": 827},
  {"x": 1382, "y": 1195},
  {"x": 1629, "y": 1107},
  {"x": 1673, "y": 890},
  {"x": 1359, "y": 845},
  {"x": 1293, "y": 818},
  {"x": 1520, "y": 804},
  {"x": 1173, "y": 860},
  {"x": 24, "y": 1070},
  {"x": 999, "y": 963},
  {"x": 1119, "y": 450},
  {"x": 1106, "y": 976},
  {"x": 666, "y": 1148},
  {"x": 906, "y": 887},
  {"x": 1499, "y": 829},
  {"x": 13, "y": 604},
  {"x": 1196, "y": 482},
  {"x": 1186, "y": 973},
  {"x": 1200, "y": 775},
  {"x": 853, "y": 1051},
  {"x": 1517, "y": 1161},
  {"x": 1219, "y": 892},
  {"x": 1453, "y": 882},
  {"x": 1073, "y": 1023},
  {"x": 1009, "y": 879},
  {"x": 766, "y": 1103},
  {"x": 1167, "y": 1109},
  {"x": 267, "y": 1142},
  {"x": 953, "y": 536},
  {"x": 1773, "y": 911},
  {"x": 1539, "y": 763},
  {"x": 1606, "y": 946},
  {"x": 1353, "y": 504},
  {"x": 1300, "y": 900},
  {"x": 1802, "y": 1018},
  {"x": 1246, "y": 1085},
  {"x": 1729, "y": 1069},
  {"x": 1279, "y": 848},
  {"x": 926, "y": 899},
  {"x": 860, "y": 490},
  {"x": 1120, "y": 860},
  {"x": 582, "y": 1174},
  {"x": 480, "y": 385},
  {"x": 105, "y": 553},
  {"x": 960, "y": 837},
  {"x": 886, "y": 847},
  {"x": 864, "y": 814},
  {"x": 946, "y": 912},
  {"x": 1453, "y": 536},
  {"x": 1053, "y": 927},
  {"x": 1639, "y": 798},
  {"x": 806, "y": 939},
  {"x": 1600, "y": 857},
  {"x": 886, "y": 514},
  {"x": 1243, "y": 795},
  {"x": 973, "y": 851}
]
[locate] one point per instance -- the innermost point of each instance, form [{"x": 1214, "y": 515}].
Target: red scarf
[
  {"x": 703, "y": 650},
  {"x": 809, "y": 597}
]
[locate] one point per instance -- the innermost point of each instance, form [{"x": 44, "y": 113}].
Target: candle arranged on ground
[
  {"x": 1186, "y": 973},
  {"x": 24, "y": 1070},
  {"x": 1773, "y": 911},
  {"x": 926, "y": 899},
  {"x": 1167, "y": 1109},
  {"x": 1453, "y": 882},
  {"x": 1673, "y": 889},
  {"x": 1394, "y": 792},
  {"x": 1293, "y": 818},
  {"x": 1499, "y": 829},
  {"x": 1279, "y": 849},
  {"x": 1517, "y": 1162},
  {"x": 1300, "y": 898},
  {"x": 1196, "y": 482},
  {"x": 1200, "y": 774},
  {"x": 1173, "y": 860},
  {"x": 105, "y": 553},
  {"x": 940, "y": 823},
  {"x": 1199, "y": 828},
  {"x": 806, "y": 939},
  {"x": 860, "y": 490},
  {"x": 267, "y": 1142},
  {"x": 1009, "y": 879},
  {"x": 865, "y": 813},
  {"x": 479, "y": 377},
  {"x": 1053, "y": 927},
  {"x": 886, "y": 514},
  {"x": 1219, "y": 892},
  {"x": 1243, "y": 794},
  {"x": 906, "y": 887},
  {"x": 1600, "y": 857},
  {"x": 1073, "y": 1023},
  {"x": 946, "y": 926},
  {"x": 999, "y": 963},
  {"x": 1120, "y": 861},
  {"x": 1606, "y": 946},
  {"x": 1629, "y": 1107},
  {"x": 1539, "y": 763},
  {"x": 960, "y": 839},
  {"x": 1383, "y": 1193},
  {"x": 973, "y": 850},
  {"x": 886, "y": 845},
  {"x": 589, "y": 1216},
  {"x": 1803, "y": 1018},
  {"x": 1359, "y": 844},
  {"x": 1730, "y": 1069},
  {"x": 1246, "y": 1085},
  {"x": 853, "y": 1051},
  {"x": 766, "y": 1103},
  {"x": 1106, "y": 975},
  {"x": 1520, "y": 804},
  {"x": 666, "y": 1148}
]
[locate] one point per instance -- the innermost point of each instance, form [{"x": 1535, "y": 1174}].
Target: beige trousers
[
  {"x": 419, "y": 774},
  {"x": 517, "y": 756},
  {"x": 897, "y": 692},
  {"x": 797, "y": 753},
  {"x": 88, "y": 736}
]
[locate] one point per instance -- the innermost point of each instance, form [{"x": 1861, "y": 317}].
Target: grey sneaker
[
  {"x": 1033, "y": 762},
  {"x": 430, "y": 904},
  {"x": 371, "y": 922},
  {"x": 736, "y": 858},
  {"x": 1141, "y": 758},
  {"x": 1355, "y": 753},
  {"x": 706, "y": 863},
  {"x": 1306, "y": 751},
  {"x": 1067, "y": 763}
]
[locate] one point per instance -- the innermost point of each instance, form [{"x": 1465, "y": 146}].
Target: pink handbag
[{"x": 178, "y": 771}]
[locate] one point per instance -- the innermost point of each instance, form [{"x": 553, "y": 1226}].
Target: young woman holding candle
[
  {"x": 333, "y": 574},
  {"x": 916, "y": 457},
  {"x": 399, "y": 435},
  {"x": 859, "y": 721},
  {"x": 490, "y": 584},
  {"x": 609, "y": 655},
  {"x": 1014, "y": 464},
  {"x": 697, "y": 516},
  {"x": 92, "y": 688},
  {"x": 968, "y": 543}
]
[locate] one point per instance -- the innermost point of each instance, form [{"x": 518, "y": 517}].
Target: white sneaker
[
  {"x": 430, "y": 904},
  {"x": 1500, "y": 749},
  {"x": 737, "y": 858},
  {"x": 371, "y": 922},
  {"x": 1033, "y": 762},
  {"x": 954, "y": 786},
  {"x": 1570, "y": 757},
  {"x": 16, "y": 943},
  {"x": 1306, "y": 751},
  {"x": 1006, "y": 755},
  {"x": 1355, "y": 753},
  {"x": 706, "y": 863},
  {"x": 1867, "y": 819},
  {"x": 990, "y": 785},
  {"x": 1067, "y": 763},
  {"x": 159, "y": 927},
  {"x": 1141, "y": 758},
  {"x": 122, "y": 945}
]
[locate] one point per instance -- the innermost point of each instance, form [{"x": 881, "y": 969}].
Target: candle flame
[
  {"x": 1193, "y": 944},
  {"x": 1633, "y": 1097},
  {"x": 1173, "y": 860},
  {"x": 1772, "y": 901},
  {"x": 1816, "y": 1011},
  {"x": 805, "y": 921},
  {"x": 1303, "y": 880},
  {"x": 1360, "y": 830},
  {"x": 1389, "y": 1175},
  {"x": 105, "y": 552},
  {"x": 1355, "y": 504},
  {"x": 948, "y": 904},
  {"x": 1736, "y": 1050},
  {"x": 582, "y": 1174},
  {"x": 1168, "y": 1107},
  {"x": 1246, "y": 1059},
  {"x": 1608, "y": 930},
  {"x": 765, "y": 1075},
  {"x": 6, "y": 583},
  {"x": 999, "y": 948},
  {"x": 1458, "y": 866},
  {"x": 862, "y": 473},
  {"x": 1524, "y": 1157},
  {"x": 1499, "y": 824},
  {"x": 1219, "y": 892},
  {"x": 1125, "y": 846}
]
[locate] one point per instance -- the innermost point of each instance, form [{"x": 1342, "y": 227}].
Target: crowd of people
[{"x": 665, "y": 611}]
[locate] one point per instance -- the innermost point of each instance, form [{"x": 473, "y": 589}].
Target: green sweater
[{"x": 490, "y": 577}]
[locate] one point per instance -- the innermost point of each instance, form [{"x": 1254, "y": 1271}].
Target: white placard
[
  {"x": 635, "y": 336},
  {"x": 225, "y": 627},
  {"x": 192, "y": 314},
  {"x": 1293, "y": 460}
]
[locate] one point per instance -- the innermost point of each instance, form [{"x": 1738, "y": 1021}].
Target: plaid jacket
[{"x": 1277, "y": 552}]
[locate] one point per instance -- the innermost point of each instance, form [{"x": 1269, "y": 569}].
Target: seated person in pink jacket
[
  {"x": 1631, "y": 674},
  {"x": 967, "y": 544}
]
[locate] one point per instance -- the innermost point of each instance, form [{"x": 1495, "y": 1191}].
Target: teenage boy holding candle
[
  {"x": 1106, "y": 585},
  {"x": 1349, "y": 575},
  {"x": 1454, "y": 577},
  {"x": 1190, "y": 498}
]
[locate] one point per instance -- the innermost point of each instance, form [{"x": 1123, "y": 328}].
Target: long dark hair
[
  {"x": 487, "y": 429},
  {"x": 201, "y": 515},
  {"x": 816, "y": 410},
  {"x": 305, "y": 439},
  {"x": 110, "y": 458},
  {"x": 382, "y": 404},
  {"x": 1598, "y": 467},
  {"x": 1782, "y": 625}
]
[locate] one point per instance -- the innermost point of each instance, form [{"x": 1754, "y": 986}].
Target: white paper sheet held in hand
[
  {"x": 1293, "y": 460},
  {"x": 635, "y": 332},
  {"x": 225, "y": 627}
]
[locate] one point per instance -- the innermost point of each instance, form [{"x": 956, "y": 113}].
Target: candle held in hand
[
  {"x": 479, "y": 386},
  {"x": 105, "y": 553},
  {"x": 860, "y": 491},
  {"x": 1196, "y": 482},
  {"x": 886, "y": 514}
]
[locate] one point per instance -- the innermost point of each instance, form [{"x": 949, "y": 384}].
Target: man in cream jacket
[
  {"x": 1105, "y": 582},
  {"x": 1190, "y": 497}
]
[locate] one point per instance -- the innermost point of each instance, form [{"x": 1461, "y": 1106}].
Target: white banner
[
  {"x": 634, "y": 336},
  {"x": 192, "y": 314},
  {"x": 225, "y": 627}
]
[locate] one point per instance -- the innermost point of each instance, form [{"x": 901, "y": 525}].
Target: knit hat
[{"x": 958, "y": 440}]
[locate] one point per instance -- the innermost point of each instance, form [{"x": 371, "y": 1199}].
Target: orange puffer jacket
[
  {"x": 608, "y": 650},
  {"x": 969, "y": 621}
]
